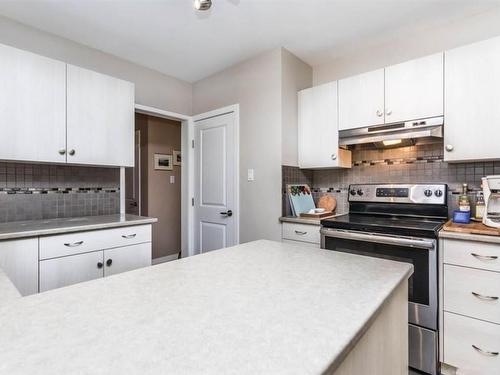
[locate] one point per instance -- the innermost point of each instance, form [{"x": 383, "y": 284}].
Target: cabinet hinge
[
  {"x": 192, "y": 202},
  {"x": 192, "y": 143}
]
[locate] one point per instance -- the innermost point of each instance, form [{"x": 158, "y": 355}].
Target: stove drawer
[
  {"x": 474, "y": 254},
  {"x": 301, "y": 232},
  {"x": 471, "y": 345},
  {"x": 472, "y": 292}
]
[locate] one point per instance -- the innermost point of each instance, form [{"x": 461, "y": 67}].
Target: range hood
[{"x": 393, "y": 135}]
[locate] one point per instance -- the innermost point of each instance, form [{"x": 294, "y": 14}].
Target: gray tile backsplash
[
  {"x": 414, "y": 164},
  {"x": 36, "y": 191}
]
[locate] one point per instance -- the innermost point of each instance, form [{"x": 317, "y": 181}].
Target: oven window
[{"x": 418, "y": 283}]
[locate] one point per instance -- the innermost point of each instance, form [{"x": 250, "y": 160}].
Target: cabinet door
[
  {"x": 100, "y": 121},
  {"x": 19, "y": 260},
  {"x": 32, "y": 107},
  {"x": 472, "y": 112},
  {"x": 127, "y": 258},
  {"x": 414, "y": 89},
  {"x": 318, "y": 129},
  {"x": 59, "y": 272},
  {"x": 361, "y": 100}
]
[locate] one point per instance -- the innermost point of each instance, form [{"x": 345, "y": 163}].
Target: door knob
[
  {"x": 388, "y": 112},
  {"x": 109, "y": 262},
  {"x": 62, "y": 152},
  {"x": 379, "y": 113},
  {"x": 334, "y": 156},
  {"x": 228, "y": 213},
  {"x": 71, "y": 152},
  {"x": 100, "y": 265},
  {"x": 449, "y": 148}
]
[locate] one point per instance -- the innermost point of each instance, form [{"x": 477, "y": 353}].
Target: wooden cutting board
[
  {"x": 318, "y": 216},
  {"x": 328, "y": 202},
  {"x": 472, "y": 228}
]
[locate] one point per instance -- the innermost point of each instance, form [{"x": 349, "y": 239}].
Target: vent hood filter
[{"x": 393, "y": 135}]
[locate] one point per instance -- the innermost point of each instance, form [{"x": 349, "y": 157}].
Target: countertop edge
[
  {"x": 469, "y": 236},
  {"x": 299, "y": 220},
  {"x": 367, "y": 324}
]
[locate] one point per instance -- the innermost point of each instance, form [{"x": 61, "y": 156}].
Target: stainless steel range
[{"x": 399, "y": 222}]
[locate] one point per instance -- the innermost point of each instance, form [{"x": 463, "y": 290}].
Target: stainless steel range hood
[{"x": 397, "y": 134}]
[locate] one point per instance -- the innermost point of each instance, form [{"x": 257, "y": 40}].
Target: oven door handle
[{"x": 368, "y": 237}]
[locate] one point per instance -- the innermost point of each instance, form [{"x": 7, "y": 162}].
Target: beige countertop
[
  {"x": 469, "y": 237},
  {"x": 34, "y": 228},
  {"x": 260, "y": 307}
]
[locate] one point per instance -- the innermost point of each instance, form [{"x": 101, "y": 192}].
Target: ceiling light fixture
[
  {"x": 202, "y": 4},
  {"x": 392, "y": 142}
]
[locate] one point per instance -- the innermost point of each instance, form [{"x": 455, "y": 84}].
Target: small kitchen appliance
[
  {"x": 491, "y": 192},
  {"x": 399, "y": 222}
]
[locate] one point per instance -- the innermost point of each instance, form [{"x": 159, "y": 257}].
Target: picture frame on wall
[
  {"x": 177, "y": 156},
  {"x": 163, "y": 162}
]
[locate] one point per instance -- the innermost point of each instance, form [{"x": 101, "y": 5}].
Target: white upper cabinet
[
  {"x": 472, "y": 110},
  {"x": 414, "y": 89},
  {"x": 100, "y": 121},
  {"x": 32, "y": 107},
  {"x": 318, "y": 129},
  {"x": 361, "y": 100}
]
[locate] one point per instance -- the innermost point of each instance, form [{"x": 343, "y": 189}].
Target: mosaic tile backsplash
[
  {"x": 36, "y": 191},
  {"x": 414, "y": 164}
]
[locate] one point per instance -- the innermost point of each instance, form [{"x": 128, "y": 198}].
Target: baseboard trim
[{"x": 164, "y": 259}]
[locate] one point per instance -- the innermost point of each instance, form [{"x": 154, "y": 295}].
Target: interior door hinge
[
  {"x": 192, "y": 143},
  {"x": 192, "y": 202}
]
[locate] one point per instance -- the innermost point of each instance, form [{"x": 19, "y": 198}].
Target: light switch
[
  {"x": 172, "y": 179},
  {"x": 250, "y": 175}
]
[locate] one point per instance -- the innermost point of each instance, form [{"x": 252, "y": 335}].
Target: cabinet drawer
[
  {"x": 301, "y": 232},
  {"x": 472, "y": 254},
  {"x": 83, "y": 242},
  {"x": 128, "y": 258},
  {"x": 472, "y": 292},
  {"x": 460, "y": 334}
]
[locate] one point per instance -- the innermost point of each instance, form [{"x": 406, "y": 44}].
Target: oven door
[{"x": 420, "y": 252}]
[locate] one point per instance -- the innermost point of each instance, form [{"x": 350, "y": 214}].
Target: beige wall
[
  {"x": 296, "y": 75},
  {"x": 412, "y": 43},
  {"x": 151, "y": 87}
]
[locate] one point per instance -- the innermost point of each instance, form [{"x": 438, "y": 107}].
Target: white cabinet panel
[
  {"x": 32, "y": 107},
  {"x": 473, "y": 254},
  {"x": 59, "y": 272},
  {"x": 19, "y": 260},
  {"x": 100, "y": 122},
  {"x": 414, "y": 89},
  {"x": 127, "y": 258},
  {"x": 472, "y": 113},
  {"x": 318, "y": 129},
  {"x": 361, "y": 100},
  {"x": 301, "y": 232}
]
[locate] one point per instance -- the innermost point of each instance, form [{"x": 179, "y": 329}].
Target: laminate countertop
[
  {"x": 303, "y": 220},
  {"x": 262, "y": 307},
  {"x": 34, "y": 228}
]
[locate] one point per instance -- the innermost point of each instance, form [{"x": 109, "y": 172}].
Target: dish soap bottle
[
  {"x": 480, "y": 207},
  {"x": 463, "y": 200}
]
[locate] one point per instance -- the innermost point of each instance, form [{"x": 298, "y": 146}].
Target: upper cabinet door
[
  {"x": 472, "y": 111},
  {"x": 361, "y": 100},
  {"x": 318, "y": 129},
  {"x": 32, "y": 107},
  {"x": 100, "y": 122},
  {"x": 414, "y": 89}
]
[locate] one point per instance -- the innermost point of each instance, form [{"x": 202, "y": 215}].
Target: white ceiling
[{"x": 169, "y": 36}]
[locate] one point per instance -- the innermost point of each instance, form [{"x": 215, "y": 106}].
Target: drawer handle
[
  {"x": 300, "y": 233},
  {"x": 484, "y": 257},
  {"x": 74, "y": 244},
  {"x": 486, "y": 298},
  {"x": 485, "y": 352},
  {"x": 129, "y": 236}
]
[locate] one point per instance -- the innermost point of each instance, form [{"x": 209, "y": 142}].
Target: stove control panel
[{"x": 399, "y": 193}]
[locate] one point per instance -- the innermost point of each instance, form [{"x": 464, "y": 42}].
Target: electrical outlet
[
  {"x": 172, "y": 179},
  {"x": 250, "y": 175}
]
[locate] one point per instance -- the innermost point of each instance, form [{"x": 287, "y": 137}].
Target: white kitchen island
[{"x": 259, "y": 308}]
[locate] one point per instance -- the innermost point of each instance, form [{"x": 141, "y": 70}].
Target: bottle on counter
[
  {"x": 463, "y": 200},
  {"x": 480, "y": 206}
]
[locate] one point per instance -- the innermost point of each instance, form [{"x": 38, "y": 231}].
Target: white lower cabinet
[
  {"x": 127, "y": 258},
  {"x": 59, "y": 272},
  {"x": 301, "y": 234},
  {"x": 19, "y": 261}
]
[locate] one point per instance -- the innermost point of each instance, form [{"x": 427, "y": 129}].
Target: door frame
[
  {"x": 188, "y": 168},
  {"x": 235, "y": 108}
]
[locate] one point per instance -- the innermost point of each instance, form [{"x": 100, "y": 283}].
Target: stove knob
[
  {"x": 360, "y": 192},
  {"x": 428, "y": 192},
  {"x": 438, "y": 193},
  {"x": 352, "y": 192}
]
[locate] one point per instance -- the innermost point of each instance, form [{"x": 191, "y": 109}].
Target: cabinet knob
[
  {"x": 62, "y": 152},
  {"x": 449, "y": 148},
  {"x": 71, "y": 152},
  {"x": 334, "y": 156},
  {"x": 379, "y": 113},
  {"x": 109, "y": 262},
  {"x": 388, "y": 112},
  {"x": 100, "y": 265}
]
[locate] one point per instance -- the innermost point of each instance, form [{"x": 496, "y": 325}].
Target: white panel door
[
  {"x": 127, "y": 258},
  {"x": 100, "y": 124},
  {"x": 472, "y": 110},
  {"x": 215, "y": 183},
  {"x": 19, "y": 261},
  {"x": 32, "y": 107},
  {"x": 59, "y": 272},
  {"x": 361, "y": 100},
  {"x": 414, "y": 89}
]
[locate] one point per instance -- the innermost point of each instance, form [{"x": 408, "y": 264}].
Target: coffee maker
[{"x": 491, "y": 191}]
